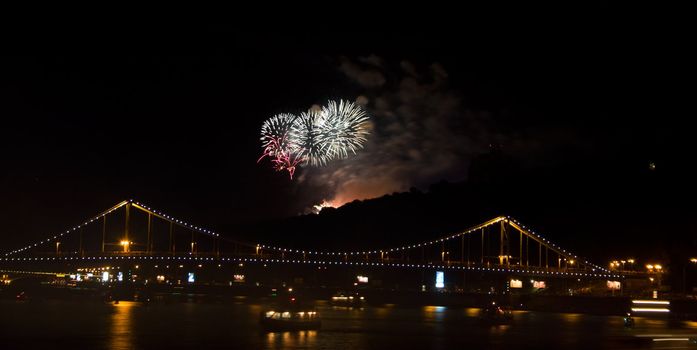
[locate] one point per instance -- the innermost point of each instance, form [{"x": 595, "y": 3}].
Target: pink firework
[
  {"x": 315, "y": 137},
  {"x": 281, "y": 157},
  {"x": 276, "y": 143},
  {"x": 284, "y": 159}
]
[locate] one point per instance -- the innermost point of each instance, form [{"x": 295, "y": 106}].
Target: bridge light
[{"x": 125, "y": 245}]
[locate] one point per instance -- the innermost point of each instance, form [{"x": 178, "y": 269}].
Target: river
[{"x": 235, "y": 325}]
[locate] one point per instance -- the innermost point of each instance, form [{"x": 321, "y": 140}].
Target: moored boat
[
  {"x": 285, "y": 319},
  {"x": 348, "y": 299},
  {"x": 290, "y": 314}
]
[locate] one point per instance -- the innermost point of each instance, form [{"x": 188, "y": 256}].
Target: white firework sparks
[
  {"x": 342, "y": 128},
  {"x": 306, "y": 141},
  {"x": 315, "y": 137},
  {"x": 274, "y": 133}
]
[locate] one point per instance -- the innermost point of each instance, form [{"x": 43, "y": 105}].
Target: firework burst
[
  {"x": 274, "y": 134},
  {"x": 342, "y": 128},
  {"x": 306, "y": 139},
  {"x": 315, "y": 137}
]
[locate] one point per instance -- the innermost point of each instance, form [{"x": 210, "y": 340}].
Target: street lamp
[
  {"x": 657, "y": 269},
  {"x": 58, "y": 248},
  {"x": 125, "y": 245}
]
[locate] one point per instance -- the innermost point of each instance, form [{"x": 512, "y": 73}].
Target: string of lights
[
  {"x": 177, "y": 221},
  {"x": 107, "y": 212},
  {"x": 40, "y": 273},
  {"x": 436, "y": 241},
  {"x": 59, "y": 235},
  {"x": 317, "y": 262}
]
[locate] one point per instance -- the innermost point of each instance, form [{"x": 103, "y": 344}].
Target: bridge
[{"x": 131, "y": 232}]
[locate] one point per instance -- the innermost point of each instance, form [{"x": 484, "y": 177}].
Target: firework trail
[{"x": 315, "y": 137}]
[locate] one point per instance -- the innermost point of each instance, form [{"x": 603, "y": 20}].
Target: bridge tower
[{"x": 504, "y": 245}]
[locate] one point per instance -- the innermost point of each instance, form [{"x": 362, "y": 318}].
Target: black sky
[{"x": 171, "y": 118}]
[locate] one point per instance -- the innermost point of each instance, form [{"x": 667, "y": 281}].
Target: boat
[
  {"x": 496, "y": 314},
  {"x": 354, "y": 299},
  {"x": 290, "y": 316},
  {"x": 290, "y": 320}
]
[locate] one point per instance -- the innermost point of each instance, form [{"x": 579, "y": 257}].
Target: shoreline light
[
  {"x": 651, "y": 302},
  {"x": 642, "y": 309}
]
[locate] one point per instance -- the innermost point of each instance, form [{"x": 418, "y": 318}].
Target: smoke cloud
[{"x": 421, "y": 133}]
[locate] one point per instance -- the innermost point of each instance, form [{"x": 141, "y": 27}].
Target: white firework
[
  {"x": 275, "y": 133},
  {"x": 314, "y": 137},
  {"x": 305, "y": 140},
  {"x": 342, "y": 128}
]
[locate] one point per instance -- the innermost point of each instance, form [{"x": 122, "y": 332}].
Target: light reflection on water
[
  {"x": 121, "y": 332},
  {"x": 571, "y": 318},
  {"x": 129, "y": 325},
  {"x": 472, "y": 311},
  {"x": 285, "y": 340}
]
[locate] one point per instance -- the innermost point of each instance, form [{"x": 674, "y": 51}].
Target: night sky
[{"x": 171, "y": 118}]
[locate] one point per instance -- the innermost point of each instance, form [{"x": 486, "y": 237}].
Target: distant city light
[{"x": 614, "y": 285}]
